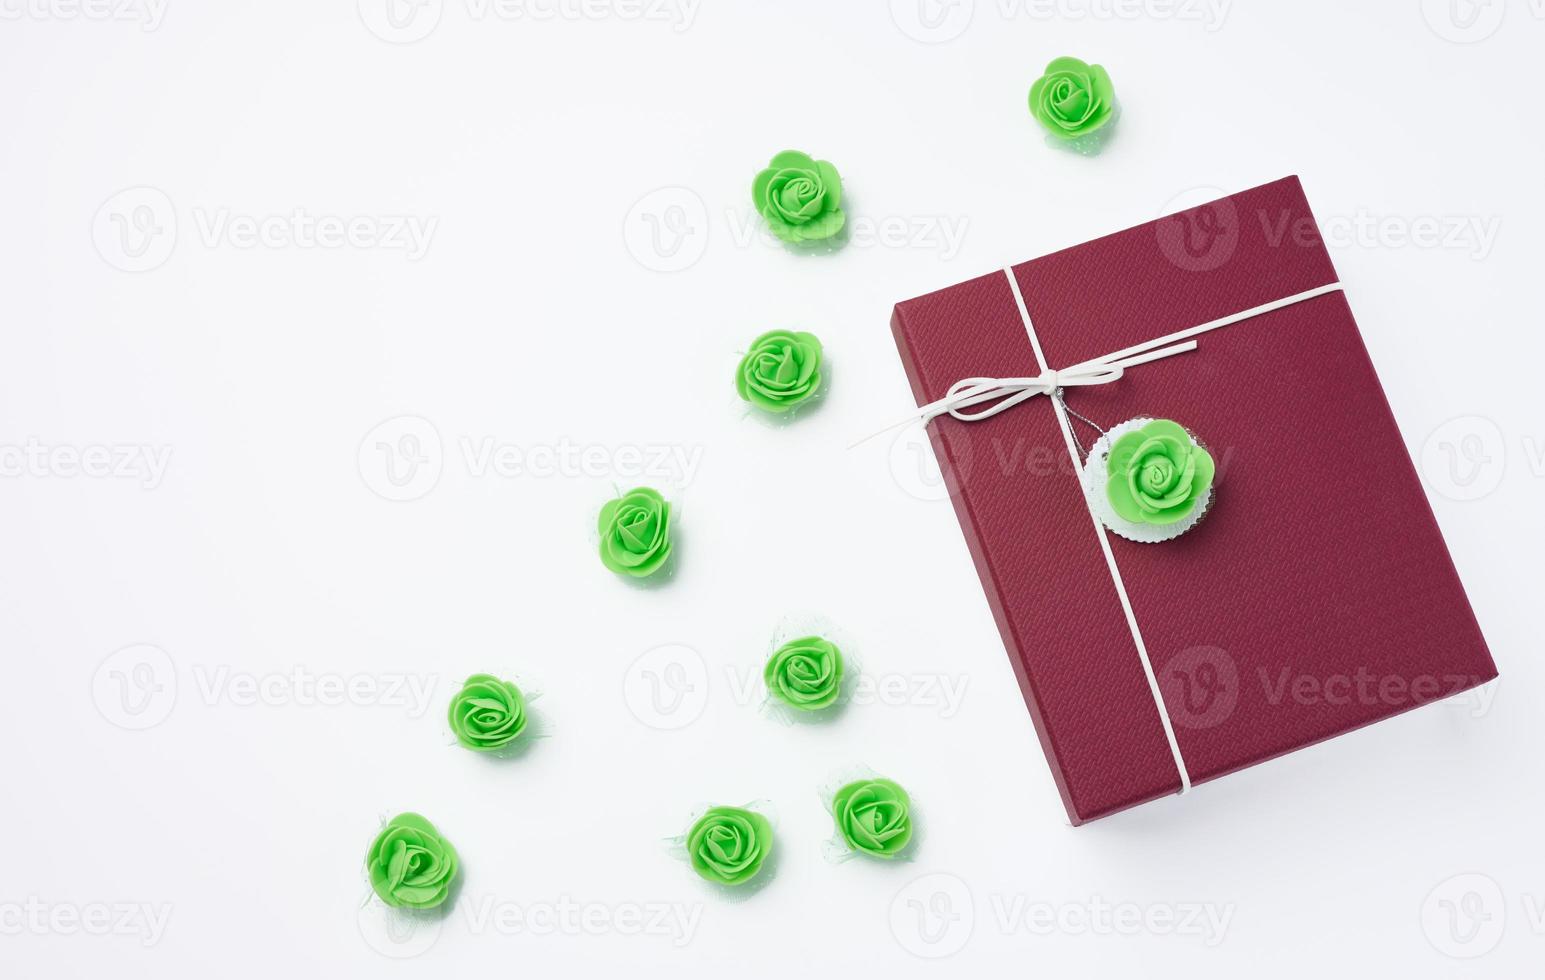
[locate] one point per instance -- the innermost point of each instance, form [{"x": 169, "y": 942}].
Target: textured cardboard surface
[{"x": 1316, "y": 597}]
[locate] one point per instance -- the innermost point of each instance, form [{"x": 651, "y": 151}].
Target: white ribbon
[{"x": 1005, "y": 393}]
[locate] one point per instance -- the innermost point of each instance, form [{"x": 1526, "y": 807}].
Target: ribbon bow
[
  {"x": 1008, "y": 392},
  {"x": 1005, "y": 393}
]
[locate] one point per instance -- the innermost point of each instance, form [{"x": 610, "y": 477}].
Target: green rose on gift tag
[
  {"x": 487, "y": 713},
  {"x": 799, "y": 197},
  {"x": 728, "y": 844},
  {"x": 411, "y": 866},
  {"x": 874, "y": 816},
  {"x": 781, "y": 370},
  {"x": 805, "y": 673},
  {"x": 636, "y": 533},
  {"x": 1072, "y": 99},
  {"x": 1157, "y": 474}
]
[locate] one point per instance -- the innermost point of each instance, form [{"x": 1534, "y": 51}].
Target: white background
[{"x": 566, "y": 304}]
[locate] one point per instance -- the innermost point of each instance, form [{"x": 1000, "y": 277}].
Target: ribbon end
[{"x": 879, "y": 432}]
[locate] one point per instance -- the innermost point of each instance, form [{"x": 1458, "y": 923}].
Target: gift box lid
[{"x": 1315, "y": 596}]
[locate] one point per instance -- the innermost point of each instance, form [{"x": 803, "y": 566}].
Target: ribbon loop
[
  {"x": 1005, "y": 393},
  {"x": 1008, "y": 392}
]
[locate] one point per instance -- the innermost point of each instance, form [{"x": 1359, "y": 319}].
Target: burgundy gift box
[{"x": 1314, "y": 597}]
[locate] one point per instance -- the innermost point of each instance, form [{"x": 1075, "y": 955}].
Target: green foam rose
[
  {"x": 1157, "y": 474},
  {"x": 636, "y": 533},
  {"x": 781, "y": 370},
  {"x": 728, "y": 844},
  {"x": 411, "y": 866},
  {"x": 799, "y": 197},
  {"x": 805, "y": 673},
  {"x": 874, "y": 816},
  {"x": 1072, "y": 99},
  {"x": 487, "y": 713}
]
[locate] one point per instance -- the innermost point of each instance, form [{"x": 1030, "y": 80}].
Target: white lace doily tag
[{"x": 1095, "y": 476}]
